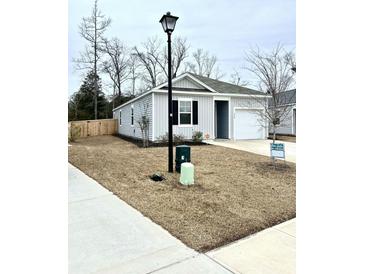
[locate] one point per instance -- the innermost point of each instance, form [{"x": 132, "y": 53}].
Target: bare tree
[
  {"x": 179, "y": 52},
  {"x": 92, "y": 29},
  {"x": 116, "y": 65},
  {"x": 236, "y": 79},
  {"x": 153, "y": 58},
  {"x": 290, "y": 59},
  {"x": 150, "y": 57},
  {"x": 275, "y": 75},
  {"x": 134, "y": 66},
  {"x": 204, "y": 64}
]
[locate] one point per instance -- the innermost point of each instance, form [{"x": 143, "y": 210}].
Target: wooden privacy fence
[{"x": 94, "y": 127}]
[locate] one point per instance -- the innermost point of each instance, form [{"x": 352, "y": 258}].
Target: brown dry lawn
[{"x": 236, "y": 193}]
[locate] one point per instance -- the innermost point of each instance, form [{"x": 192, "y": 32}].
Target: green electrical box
[{"x": 182, "y": 155}]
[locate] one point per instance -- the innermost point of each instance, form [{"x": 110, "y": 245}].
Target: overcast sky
[{"x": 224, "y": 28}]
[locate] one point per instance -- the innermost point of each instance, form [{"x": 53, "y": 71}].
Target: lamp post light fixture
[{"x": 168, "y": 24}]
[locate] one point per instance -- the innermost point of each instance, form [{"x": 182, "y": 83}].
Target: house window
[
  {"x": 132, "y": 115},
  {"x": 175, "y": 112},
  {"x": 185, "y": 112},
  {"x": 120, "y": 117}
]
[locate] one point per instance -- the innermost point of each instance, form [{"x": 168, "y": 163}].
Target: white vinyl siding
[
  {"x": 140, "y": 107},
  {"x": 132, "y": 115},
  {"x": 159, "y": 126},
  {"x": 286, "y": 125},
  {"x": 186, "y": 83},
  {"x": 205, "y": 115}
]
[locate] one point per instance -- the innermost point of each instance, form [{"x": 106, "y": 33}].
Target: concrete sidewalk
[
  {"x": 106, "y": 235},
  {"x": 271, "y": 251},
  {"x": 261, "y": 147}
]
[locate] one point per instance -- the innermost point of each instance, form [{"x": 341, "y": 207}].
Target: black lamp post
[{"x": 168, "y": 24}]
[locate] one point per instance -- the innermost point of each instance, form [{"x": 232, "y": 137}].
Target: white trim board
[
  {"x": 292, "y": 120},
  {"x": 176, "y": 92},
  {"x": 153, "y": 117},
  {"x": 203, "y": 84},
  {"x": 178, "y": 112},
  {"x": 186, "y": 74},
  {"x": 133, "y": 100}
]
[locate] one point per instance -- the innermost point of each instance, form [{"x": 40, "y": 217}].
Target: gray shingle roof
[
  {"x": 286, "y": 98},
  {"x": 224, "y": 87}
]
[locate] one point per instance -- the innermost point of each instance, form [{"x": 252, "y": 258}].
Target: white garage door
[{"x": 247, "y": 124}]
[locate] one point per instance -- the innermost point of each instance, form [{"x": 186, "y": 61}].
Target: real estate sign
[{"x": 277, "y": 150}]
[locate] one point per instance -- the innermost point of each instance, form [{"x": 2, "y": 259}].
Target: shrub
[
  {"x": 163, "y": 138},
  {"x": 176, "y": 138},
  {"x": 197, "y": 136}
]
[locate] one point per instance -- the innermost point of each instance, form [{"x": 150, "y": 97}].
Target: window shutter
[
  {"x": 175, "y": 112},
  {"x": 132, "y": 116},
  {"x": 195, "y": 112}
]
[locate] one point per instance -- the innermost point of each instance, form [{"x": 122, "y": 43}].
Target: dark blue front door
[{"x": 222, "y": 115}]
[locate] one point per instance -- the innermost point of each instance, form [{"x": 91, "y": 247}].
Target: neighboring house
[
  {"x": 288, "y": 125},
  {"x": 217, "y": 109}
]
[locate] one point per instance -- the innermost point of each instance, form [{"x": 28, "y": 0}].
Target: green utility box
[{"x": 182, "y": 155}]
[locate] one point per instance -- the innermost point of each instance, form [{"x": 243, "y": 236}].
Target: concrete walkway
[
  {"x": 106, "y": 235},
  {"x": 271, "y": 251},
  {"x": 261, "y": 147}
]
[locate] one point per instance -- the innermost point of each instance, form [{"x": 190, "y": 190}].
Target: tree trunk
[
  {"x": 133, "y": 85},
  {"x": 146, "y": 137},
  {"x": 274, "y": 135},
  {"x": 273, "y": 141}
]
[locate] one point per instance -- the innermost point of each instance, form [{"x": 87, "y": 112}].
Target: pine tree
[{"x": 81, "y": 104}]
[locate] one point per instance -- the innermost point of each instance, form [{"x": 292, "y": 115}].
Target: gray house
[
  {"x": 217, "y": 109},
  {"x": 288, "y": 100}
]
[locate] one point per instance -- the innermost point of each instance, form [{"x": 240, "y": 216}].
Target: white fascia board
[
  {"x": 133, "y": 100},
  {"x": 187, "y": 74},
  {"x": 211, "y": 94},
  {"x": 190, "y": 93},
  {"x": 153, "y": 117},
  {"x": 172, "y": 81},
  {"x": 201, "y": 83}
]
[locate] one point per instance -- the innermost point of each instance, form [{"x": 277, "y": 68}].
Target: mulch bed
[
  {"x": 139, "y": 142},
  {"x": 288, "y": 138},
  {"x": 235, "y": 194}
]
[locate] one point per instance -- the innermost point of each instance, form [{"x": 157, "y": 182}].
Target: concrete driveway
[{"x": 261, "y": 147}]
